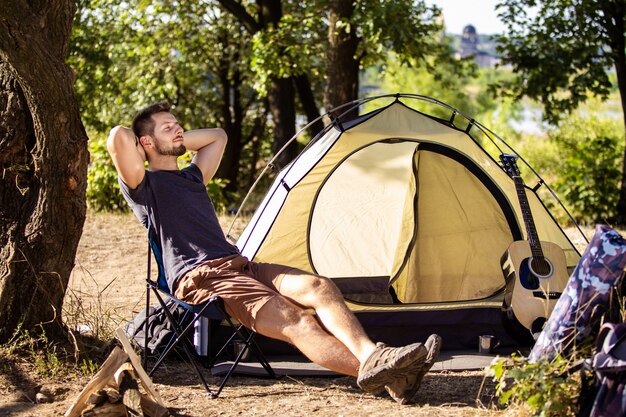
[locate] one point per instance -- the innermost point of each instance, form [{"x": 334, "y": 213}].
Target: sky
[{"x": 459, "y": 13}]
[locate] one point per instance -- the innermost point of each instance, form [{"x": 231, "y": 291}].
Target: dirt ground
[{"x": 107, "y": 288}]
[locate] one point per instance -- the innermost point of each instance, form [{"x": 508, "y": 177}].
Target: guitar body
[{"x": 532, "y": 295}]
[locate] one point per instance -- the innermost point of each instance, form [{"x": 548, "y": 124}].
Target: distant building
[
  {"x": 471, "y": 45},
  {"x": 469, "y": 42}
]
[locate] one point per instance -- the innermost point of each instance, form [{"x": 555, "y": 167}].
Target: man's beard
[{"x": 175, "y": 151}]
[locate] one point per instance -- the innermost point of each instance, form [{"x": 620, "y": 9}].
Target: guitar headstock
[{"x": 509, "y": 163}]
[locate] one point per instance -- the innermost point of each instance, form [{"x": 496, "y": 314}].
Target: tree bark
[
  {"x": 281, "y": 97},
  {"x": 342, "y": 75},
  {"x": 614, "y": 25},
  {"x": 305, "y": 92},
  {"x": 620, "y": 69},
  {"x": 43, "y": 151},
  {"x": 232, "y": 116}
]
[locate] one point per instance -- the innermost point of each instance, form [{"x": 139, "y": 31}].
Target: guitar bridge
[{"x": 547, "y": 296}]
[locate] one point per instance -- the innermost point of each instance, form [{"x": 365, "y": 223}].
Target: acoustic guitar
[{"x": 535, "y": 271}]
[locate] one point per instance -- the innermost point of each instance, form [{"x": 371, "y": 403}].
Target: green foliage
[
  {"x": 587, "y": 168},
  {"x": 42, "y": 353},
  {"x": 298, "y": 44},
  {"x": 103, "y": 192},
  {"x": 560, "y": 50},
  {"x": 131, "y": 54},
  {"x": 545, "y": 386},
  {"x": 215, "y": 188},
  {"x": 450, "y": 86},
  {"x": 410, "y": 29},
  {"x": 294, "y": 47},
  {"x": 49, "y": 359},
  {"x": 406, "y": 40},
  {"x": 88, "y": 367}
]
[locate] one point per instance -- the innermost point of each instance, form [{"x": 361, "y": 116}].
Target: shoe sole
[{"x": 375, "y": 379}]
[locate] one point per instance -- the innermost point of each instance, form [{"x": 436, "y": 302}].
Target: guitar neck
[{"x": 533, "y": 238}]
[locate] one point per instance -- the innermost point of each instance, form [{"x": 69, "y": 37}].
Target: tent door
[{"x": 460, "y": 235}]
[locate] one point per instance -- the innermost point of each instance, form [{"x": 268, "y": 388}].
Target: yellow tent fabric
[{"x": 354, "y": 228}]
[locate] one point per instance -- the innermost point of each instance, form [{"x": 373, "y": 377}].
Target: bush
[
  {"x": 547, "y": 388},
  {"x": 588, "y": 170},
  {"x": 103, "y": 191}
]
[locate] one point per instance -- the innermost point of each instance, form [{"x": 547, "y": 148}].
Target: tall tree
[
  {"x": 43, "y": 151},
  {"x": 342, "y": 75},
  {"x": 561, "y": 52},
  {"x": 364, "y": 32},
  {"x": 282, "y": 73}
]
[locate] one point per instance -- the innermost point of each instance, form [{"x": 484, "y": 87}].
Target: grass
[
  {"x": 85, "y": 313},
  {"x": 48, "y": 358}
]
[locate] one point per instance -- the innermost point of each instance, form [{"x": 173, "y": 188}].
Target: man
[{"x": 270, "y": 299}]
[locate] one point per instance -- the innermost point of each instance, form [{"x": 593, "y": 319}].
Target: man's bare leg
[
  {"x": 279, "y": 318},
  {"x": 284, "y": 317},
  {"x": 324, "y": 297}
]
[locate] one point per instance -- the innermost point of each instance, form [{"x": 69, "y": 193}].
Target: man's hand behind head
[{"x": 128, "y": 155}]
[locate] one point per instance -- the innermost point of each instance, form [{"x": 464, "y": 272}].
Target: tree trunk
[
  {"x": 254, "y": 139},
  {"x": 232, "y": 116},
  {"x": 281, "y": 94},
  {"x": 342, "y": 75},
  {"x": 615, "y": 29},
  {"x": 305, "y": 92},
  {"x": 43, "y": 151},
  {"x": 620, "y": 69},
  {"x": 281, "y": 97}
]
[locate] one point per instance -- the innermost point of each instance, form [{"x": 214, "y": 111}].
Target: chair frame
[{"x": 212, "y": 309}]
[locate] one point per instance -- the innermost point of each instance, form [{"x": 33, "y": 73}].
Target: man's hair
[{"x": 143, "y": 124}]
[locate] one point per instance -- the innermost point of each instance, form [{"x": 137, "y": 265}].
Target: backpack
[
  {"x": 160, "y": 330},
  {"x": 606, "y": 395}
]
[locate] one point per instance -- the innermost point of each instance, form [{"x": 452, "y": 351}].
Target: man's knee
[{"x": 324, "y": 290}]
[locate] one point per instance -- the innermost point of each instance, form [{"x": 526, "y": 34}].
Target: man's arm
[
  {"x": 127, "y": 154},
  {"x": 210, "y": 145}
]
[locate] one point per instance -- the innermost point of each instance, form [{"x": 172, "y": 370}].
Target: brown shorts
[{"x": 244, "y": 286}]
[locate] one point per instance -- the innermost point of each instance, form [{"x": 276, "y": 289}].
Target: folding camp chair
[{"x": 213, "y": 310}]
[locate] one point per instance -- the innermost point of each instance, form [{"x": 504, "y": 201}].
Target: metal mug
[
  {"x": 487, "y": 343},
  {"x": 238, "y": 346}
]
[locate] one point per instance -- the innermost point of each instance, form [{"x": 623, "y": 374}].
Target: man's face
[{"x": 168, "y": 135}]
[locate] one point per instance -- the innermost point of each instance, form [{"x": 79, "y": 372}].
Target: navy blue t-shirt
[{"x": 183, "y": 217}]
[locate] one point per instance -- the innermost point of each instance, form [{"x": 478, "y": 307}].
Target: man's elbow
[
  {"x": 113, "y": 138},
  {"x": 221, "y": 135}
]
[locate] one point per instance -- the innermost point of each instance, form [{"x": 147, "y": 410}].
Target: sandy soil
[{"x": 107, "y": 287}]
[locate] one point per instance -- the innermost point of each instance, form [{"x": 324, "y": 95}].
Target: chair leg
[
  {"x": 188, "y": 348},
  {"x": 247, "y": 341},
  {"x": 260, "y": 356},
  {"x": 180, "y": 338},
  {"x": 247, "y": 336},
  {"x": 145, "y": 328}
]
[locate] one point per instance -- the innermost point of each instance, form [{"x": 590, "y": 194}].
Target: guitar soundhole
[{"x": 540, "y": 267}]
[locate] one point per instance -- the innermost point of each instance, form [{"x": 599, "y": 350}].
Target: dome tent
[{"x": 409, "y": 215}]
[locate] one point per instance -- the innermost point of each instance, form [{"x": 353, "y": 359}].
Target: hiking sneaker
[
  {"x": 404, "y": 388},
  {"x": 386, "y": 363}
]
